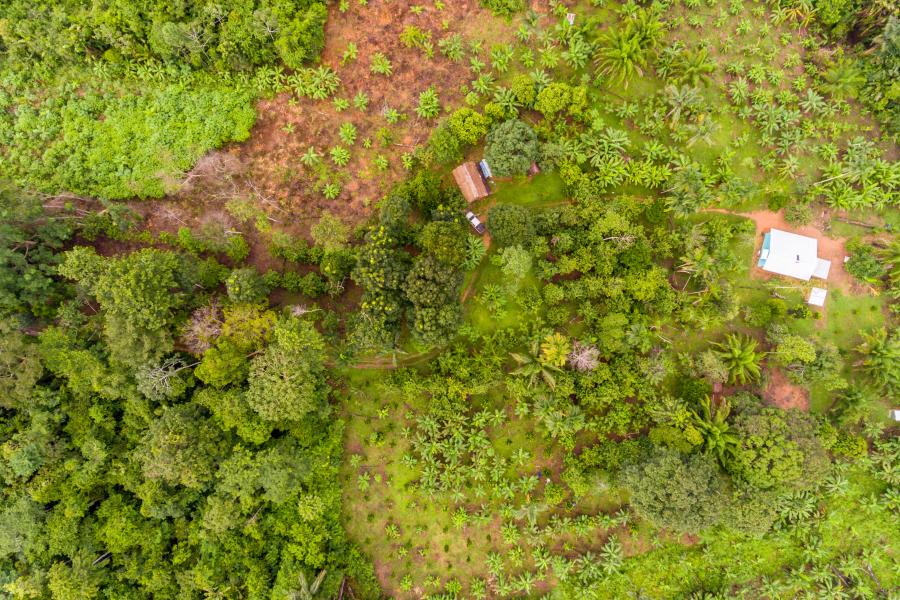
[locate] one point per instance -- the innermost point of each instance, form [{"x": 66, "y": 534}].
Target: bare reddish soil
[
  {"x": 782, "y": 393},
  {"x": 267, "y": 171},
  {"x": 286, "y": 126}
]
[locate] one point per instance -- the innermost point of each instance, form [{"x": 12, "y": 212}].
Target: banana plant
[{"x": 309, "y": 591}]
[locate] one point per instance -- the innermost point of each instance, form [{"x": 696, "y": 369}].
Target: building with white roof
[{"x": 792, "y": 255}]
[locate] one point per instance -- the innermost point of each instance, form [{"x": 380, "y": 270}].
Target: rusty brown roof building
[{"x": 470, "y": 182}]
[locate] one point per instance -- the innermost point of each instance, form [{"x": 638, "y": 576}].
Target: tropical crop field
[{"x": 362, "y": 299}]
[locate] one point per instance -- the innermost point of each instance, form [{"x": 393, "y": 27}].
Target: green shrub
[
  {"x": 503, "y": 8},
  {"x": 246, "y": 286},
  {"x": 863, "y": 264},
  {"x": 511, "y": 148}
]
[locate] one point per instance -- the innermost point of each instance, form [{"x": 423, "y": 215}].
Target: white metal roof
[
  {"x": 792, "y": 255},
  {"x": 822, "y": 269},
  {"x": 817, "y": 296}
]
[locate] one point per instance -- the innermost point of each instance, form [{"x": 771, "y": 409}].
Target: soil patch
[
  {"x": 287, "y": 126},
  {"x": 782, "y": 393}
]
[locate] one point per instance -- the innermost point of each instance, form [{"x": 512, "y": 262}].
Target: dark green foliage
[
  {"x": 381, "y": 270},
  {"x": 511, "y": 148},
  {"x": 432, "y": 288},
  {"x": 777, "y": 448},
  {"x": 882, "y": 69},
  {"x": 685, "y": 493},
  {"x": 139, "y": 294},
  {"x": 510, "y": 224},
  {"x": 29, "y": 242},
  {"x": 181, "y": 447},
  {"x": 444, "y": 145},
  {"x": 221, "y": 36},
  {"x": 423, "y": 191},
  {"x": 287, "y": 380},
  {"x": 444, "y": 240}
]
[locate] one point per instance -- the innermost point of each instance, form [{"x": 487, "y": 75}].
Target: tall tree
[{"x": 287, "y": 381}]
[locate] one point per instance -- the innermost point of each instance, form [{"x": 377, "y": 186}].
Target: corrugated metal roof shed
[{"x": 470, "y": 182}]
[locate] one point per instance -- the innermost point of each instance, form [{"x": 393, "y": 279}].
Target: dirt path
[
  {"x": 833, "y": 249},
  {"x": 389, "y": 362},
  {"x": 782, "y": 393}
]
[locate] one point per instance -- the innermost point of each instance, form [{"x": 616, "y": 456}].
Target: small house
[
  {"x": 817, "y": 297},
  {"x": 792, "y": 255},
  {"x": 470, "y": 182}
]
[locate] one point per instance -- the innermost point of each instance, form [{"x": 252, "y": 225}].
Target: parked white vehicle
[{"x": 474, "y": 222}]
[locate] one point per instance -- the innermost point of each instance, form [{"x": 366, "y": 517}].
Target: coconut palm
[
  {"x": 843, "y": 79},
  {"x": 881, "y": 351},
  {"x": 621, "y": 55},
  {"x": 740, "y": 357},
  {"x": 682, "y": 100},
  {"x": 711, "y": 421}
]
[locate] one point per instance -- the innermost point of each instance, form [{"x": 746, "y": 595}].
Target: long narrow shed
[{"x": 470, "y": 182}]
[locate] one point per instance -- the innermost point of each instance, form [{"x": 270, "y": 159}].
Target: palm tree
[
  {"x": 703, "y": 130},
  {"x": 682, "y": 99},
  {"x": 740, "y": 358},
  {"x": 621, "y": 55},
  {"x": 647, "y": 27},
  {"x": 307, "y": 591},
  {"x": 718, "y": 439},
  {"x": 695, "y": 66},
  {"x": 881, "y": 350},
  {"x": 890, "y": 256},
  {"x": 843, "y": 79},
  {"x": 535, "y": 366}
]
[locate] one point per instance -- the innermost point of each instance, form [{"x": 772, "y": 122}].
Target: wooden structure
[{"x": 470, "y": 182}]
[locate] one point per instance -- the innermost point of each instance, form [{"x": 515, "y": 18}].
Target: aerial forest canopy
[
  {"x": 209, "y": 36},
  {"x": 376, "y": 299}
]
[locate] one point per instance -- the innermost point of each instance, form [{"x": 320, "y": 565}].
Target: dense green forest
[{"x": 251, "y": 347}]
